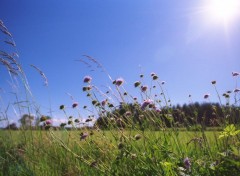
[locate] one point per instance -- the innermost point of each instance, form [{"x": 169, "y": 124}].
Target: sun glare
[{"x": 224, "y": 9}]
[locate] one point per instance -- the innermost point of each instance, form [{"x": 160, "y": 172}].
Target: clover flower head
[
  {"x": 144, "y": 88},
  {"x": 187, "y": 163},
  {"x": 146, "y": 103},
  {"x": 87, "y": 79},
  {"x": 119, "y": 81},
  {"x": 48, "y": 122}
]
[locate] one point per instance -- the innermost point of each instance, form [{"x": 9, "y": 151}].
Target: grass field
[
  {"x": 113, "y": 152},
  {"x": 121, "y": 134}
]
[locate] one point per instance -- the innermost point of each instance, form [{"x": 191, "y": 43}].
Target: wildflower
[
  {"x": 137, "y": 83},
  {"x": 158, "y": 110},
  {"x": 206, "y": 96},
  {"x": 146, "y": 103},
  {"x": 87, "y": 79},
  {"x": 213, "y": 82},
  {"x": 48, "y": 122},
  {"x": 137, "y": 136},
  {"x": 74, "y": 105},
  {"x": 235, "y": 73},
  {"x": 62, "y": 107},
  {"x": 187, "y": 163},
  {"x": 119, "y": 81},
  {"x": 144, "y": 88},
  {"x": 83, "y": 136},
  {"x": 104, "y": 102},
  {"x": 236, "y": 90}
]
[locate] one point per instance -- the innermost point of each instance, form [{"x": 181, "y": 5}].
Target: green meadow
[{"x": 123, "y": 135}]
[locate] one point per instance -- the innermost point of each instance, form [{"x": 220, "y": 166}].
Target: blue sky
[{"x": 177, "y": 40}]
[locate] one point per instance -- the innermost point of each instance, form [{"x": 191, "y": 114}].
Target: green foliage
[{"x": 229, "y": 131}]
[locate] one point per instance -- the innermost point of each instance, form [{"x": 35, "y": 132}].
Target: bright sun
[{"x": 224, "y": 9}]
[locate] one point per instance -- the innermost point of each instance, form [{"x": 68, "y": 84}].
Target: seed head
[
  {"x": 235, "y": 73},
  {"x": 76, "y": 120},
  {"x": 86, "y": 88},
  {"x": 213, "y": 82},
  {"x": 155, "y": 77},
  {"x": 43, "y": 118},
  {"x": 236, "y": 90},
  {"x": 63, "y": 124},
  {"x": 206, "y": 96},
  {"x": 62, "y": 107},
  {"x": 74, "y": 105},
  {"x": 144, "y": 88},
  {"x": 137, "y": 83},
  {"x": 120, "y": 145},
  {"x": 119, "y": 81}
]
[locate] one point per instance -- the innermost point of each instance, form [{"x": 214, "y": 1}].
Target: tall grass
[{"x": 127, "y": 135}]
